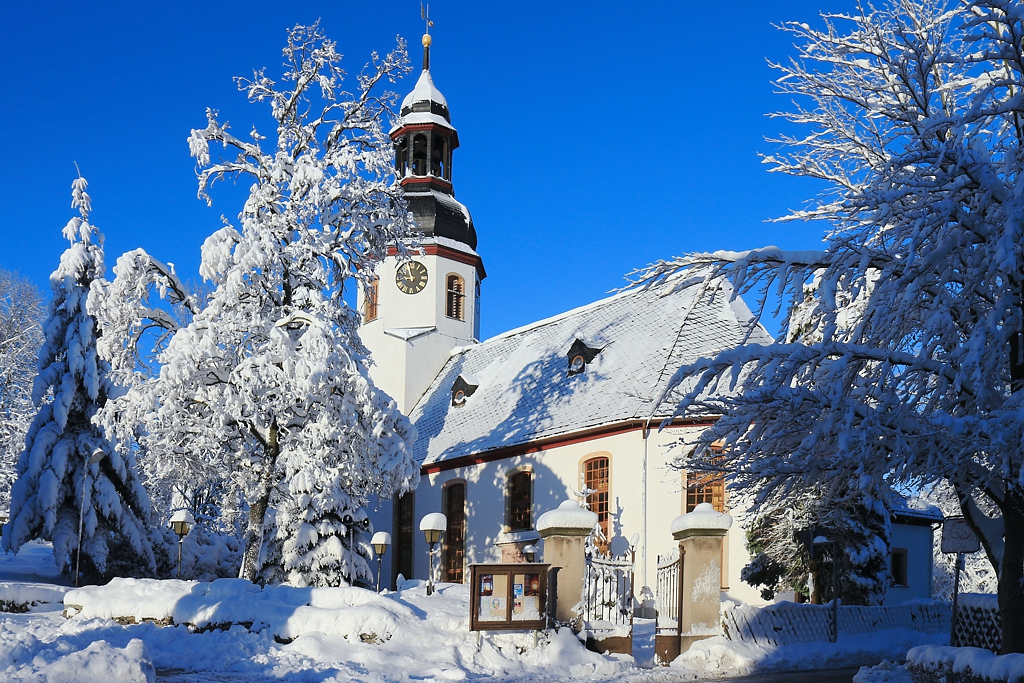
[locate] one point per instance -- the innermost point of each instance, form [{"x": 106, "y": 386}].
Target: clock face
[{"x": 411, "y": 277}]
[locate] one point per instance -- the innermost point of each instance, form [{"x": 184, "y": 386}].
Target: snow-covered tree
[
  {"x": 269, "y": 378},
  {"x": 71, "y": 483},
  {"x": 977, "y": 575},
  {"x": 318, "y": 536},
  {"x": 858, "y": 523},
  {"x": 915, "y": 120},
  {"x": 22, "y": 312}
]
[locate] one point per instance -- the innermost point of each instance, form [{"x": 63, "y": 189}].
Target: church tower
[{"x": 418, "y": 310}]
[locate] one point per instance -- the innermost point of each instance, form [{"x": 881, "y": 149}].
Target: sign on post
[
  {"x": 508, "y": 597},
  {"x": 957, "y": 536}
]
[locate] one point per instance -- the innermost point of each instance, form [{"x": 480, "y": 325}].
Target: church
[{"x": 510, "y": 427}]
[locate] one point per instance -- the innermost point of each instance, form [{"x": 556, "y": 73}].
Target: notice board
[{"x": 507, "y": 597}]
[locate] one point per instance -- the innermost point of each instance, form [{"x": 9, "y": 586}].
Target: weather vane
[{"x": 425, "y": 16}]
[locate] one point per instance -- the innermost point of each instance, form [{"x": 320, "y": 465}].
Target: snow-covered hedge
[
  {"x": 288, "y": 612},
  {"x": 929, "y": 663}
]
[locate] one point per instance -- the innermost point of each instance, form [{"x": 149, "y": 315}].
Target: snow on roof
[
  {"x": 525, "y": 393},
  {"x": 915, "y": 508},
  {"x": 421, "y": 117},
  {"x": 425, "y": 91}
]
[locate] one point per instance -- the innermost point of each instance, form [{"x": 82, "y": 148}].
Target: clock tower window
[
  {"x": 455, "y": 303},
  {"x": 370, "y": 301}
]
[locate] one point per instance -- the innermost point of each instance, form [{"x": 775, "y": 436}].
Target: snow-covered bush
[
  {"x": 73, "y": 488},
  {"x": 913, "y": 126}
]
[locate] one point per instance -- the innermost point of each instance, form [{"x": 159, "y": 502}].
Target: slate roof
[{"x": 524, "y": 392}]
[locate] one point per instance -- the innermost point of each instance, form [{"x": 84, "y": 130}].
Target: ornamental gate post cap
[{"x": 704, "y": 520}]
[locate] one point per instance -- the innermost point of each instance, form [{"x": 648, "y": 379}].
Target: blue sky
[{"x": 596, "y": 137}]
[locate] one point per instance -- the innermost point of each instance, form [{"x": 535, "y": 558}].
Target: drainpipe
[{"x": 643, "y": 529}]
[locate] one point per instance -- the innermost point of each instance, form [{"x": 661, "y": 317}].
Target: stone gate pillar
[
  {"x": 565, "y": 530},
  {"x": 700, "y": 534}
]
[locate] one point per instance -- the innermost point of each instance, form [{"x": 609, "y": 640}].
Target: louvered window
[
  {"x": 370, "y": 303},
  {"x": 456, "y": 302}
]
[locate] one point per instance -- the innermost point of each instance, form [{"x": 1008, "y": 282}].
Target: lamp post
[
  {"x": 433, "y": 525},
  {"x": 352, "y": 525},
  {"x": 380, "y": 542},
  {"x": 530, "y": 552},
  {"x": 182, "y": 522}
]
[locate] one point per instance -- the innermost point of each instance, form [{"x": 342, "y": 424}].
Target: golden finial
[{"x": 426, "y": 40}]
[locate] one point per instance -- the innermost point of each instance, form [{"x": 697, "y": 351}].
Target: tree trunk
[
  {"x": 1011, "y": 575},
  {"x": 253, "y": 536}
]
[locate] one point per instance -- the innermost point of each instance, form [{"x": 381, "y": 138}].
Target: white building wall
[
  {"x": 917, "y": 540},
  {"x": 557, "y": 473},
  {"x": 407, "y": 359}
]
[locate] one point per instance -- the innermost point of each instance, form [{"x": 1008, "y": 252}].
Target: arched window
[
  {"x": 455, "y": 303},
  {"x": 402, "y": 157},
  {"x": 370, "y": 300},
  {"x": 455, "y": 536},
  {"x": 596, "y": 473},
  {"x": 419, "y": 155},
  {"x": 439, "y": 158},
  {"x": 520, "y": 501}
]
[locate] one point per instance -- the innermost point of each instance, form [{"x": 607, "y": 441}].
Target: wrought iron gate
[{"x": 607, "y": 600}]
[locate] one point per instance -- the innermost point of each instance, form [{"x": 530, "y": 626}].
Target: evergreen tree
[
  {"x": 858, "y": 523},
  {"x": 318, "y": 536},
  {"x": 72, "y": 484}
]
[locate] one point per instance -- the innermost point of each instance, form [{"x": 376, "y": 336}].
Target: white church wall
[
  {"x": 404, "y": 367},
  {"x": 557, "y": 474}
]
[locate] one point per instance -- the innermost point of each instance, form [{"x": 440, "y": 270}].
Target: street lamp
[
  {"x": 432, "y": 525},
  {"x": 352, "y": 526},
  {"x": 380, "y": 542},
  {"x": 530, "y": 552},
  {"x": 182, "y": 522}
]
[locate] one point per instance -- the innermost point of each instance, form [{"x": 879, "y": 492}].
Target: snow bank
[
  {"x": 16, "y": 596},
  {"x": 719, "y": 656},
  {"x": 968, "y": 661},
  {"x": 26, "y": 658},
  {"x": 342, "y": 633},
  {"x": 886, "y": 672}
]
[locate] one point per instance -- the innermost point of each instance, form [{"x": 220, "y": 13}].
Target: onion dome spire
[{"x": 424, "y": 142}]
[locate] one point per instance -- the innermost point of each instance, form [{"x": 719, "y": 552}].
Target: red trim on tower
[
  {"x": 553, "y": 442},
  {"x": 411, "y": 182},
  {"x": 416, "y": 127},
  {"x": 449, "y": 253}
]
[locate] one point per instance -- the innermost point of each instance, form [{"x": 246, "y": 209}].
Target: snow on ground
[
  {"x": 718, "y": 656},
  {"x": 342, "y": 635}
]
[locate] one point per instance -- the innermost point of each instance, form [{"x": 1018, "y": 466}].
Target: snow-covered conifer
[
  {"x": 914, "y": 114},
  {"x": 319, "y": 537},
  {"x": 22, "y": 312},
  {"x": 71, "y": 483},
  {"x": 858, "y": 523},
  {"x": 268, "y": 378}
]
